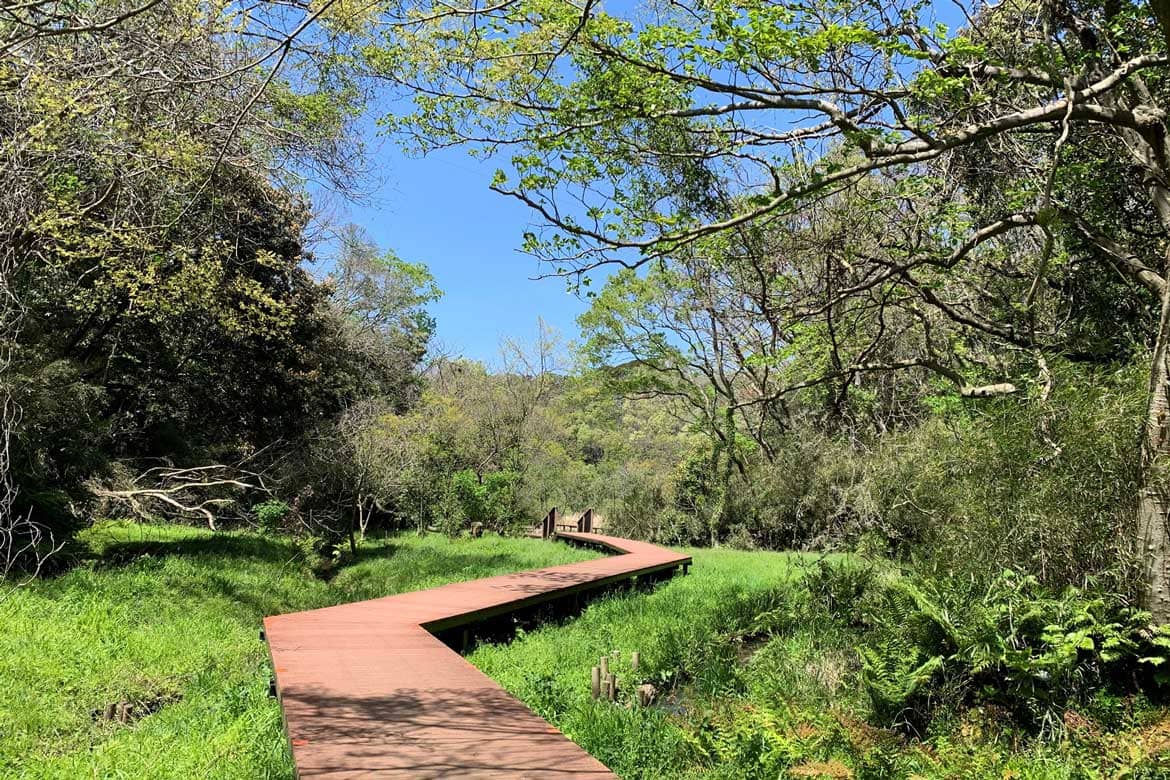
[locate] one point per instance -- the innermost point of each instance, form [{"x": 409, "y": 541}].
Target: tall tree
[
  {"x": 380, "y": 318},
  {"x": 150, "y": 218},
  {"x": 786, "y": 104}
]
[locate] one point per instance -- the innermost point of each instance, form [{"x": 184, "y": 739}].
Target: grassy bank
[{"x": 166, "y": 619}]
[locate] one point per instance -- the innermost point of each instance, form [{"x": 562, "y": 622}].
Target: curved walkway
[{"x": 368, "y": 691}]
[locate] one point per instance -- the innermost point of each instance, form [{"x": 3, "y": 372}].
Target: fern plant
[
  {"x": 1015, "y": 646},
  {"x": 913, "y": 639}
]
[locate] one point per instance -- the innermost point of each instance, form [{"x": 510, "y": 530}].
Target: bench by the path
[{"x": 368, "y": 691}]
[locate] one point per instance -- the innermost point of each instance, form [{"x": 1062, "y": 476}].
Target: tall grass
[
  {"x": 167, "y": 619},
  {"x": 693, "y": 636},
  {"x": 754, "y": 658}
]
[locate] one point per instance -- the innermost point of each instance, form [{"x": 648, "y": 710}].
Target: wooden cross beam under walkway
[{"x": 368, "y": 690}]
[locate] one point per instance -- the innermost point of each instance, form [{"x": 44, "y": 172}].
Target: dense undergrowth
[{"x": 784, "y": 665}]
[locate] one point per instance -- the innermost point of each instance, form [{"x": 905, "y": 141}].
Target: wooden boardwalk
[{"x": 368, "y": 691}]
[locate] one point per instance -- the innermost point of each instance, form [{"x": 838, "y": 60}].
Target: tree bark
[{"x": 1153, "y": 543}]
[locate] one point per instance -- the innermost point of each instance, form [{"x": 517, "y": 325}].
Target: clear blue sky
[{"x": 438, "y": 210}]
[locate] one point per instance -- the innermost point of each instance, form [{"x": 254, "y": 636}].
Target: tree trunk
[{"x": 1153, "y": 544}]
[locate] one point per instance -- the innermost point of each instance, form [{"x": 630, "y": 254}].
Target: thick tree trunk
[{"x": 1153, "y": 543}]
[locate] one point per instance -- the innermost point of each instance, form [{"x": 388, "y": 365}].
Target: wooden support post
[
  {"x": 595, "y": 682},
  {"x": 466, "y": 639},
  {"x": 612, "y": 687},
  {"x": 634, "y": 660},
  {"x": 605, "y": 666}
]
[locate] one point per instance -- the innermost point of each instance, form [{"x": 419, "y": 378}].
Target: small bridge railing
[{"x": 553, "y": 522}]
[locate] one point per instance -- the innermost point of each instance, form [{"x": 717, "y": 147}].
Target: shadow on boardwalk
[{"x": 497, "y": 736}]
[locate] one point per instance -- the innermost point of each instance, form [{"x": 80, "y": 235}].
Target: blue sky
[{"x": 439, "y": 211}]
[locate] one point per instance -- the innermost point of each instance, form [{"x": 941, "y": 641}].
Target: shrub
[
  {"x": 321, "y": 554},
  {"x": 272, "y": 514},
  {"x": 1043, "y": 487},
  {"x": 837, "y": 589},
  {"x": 1043, "y": 484},
  {"x": 490, "y": 500},
  {"x": 1016, "y": 646}
]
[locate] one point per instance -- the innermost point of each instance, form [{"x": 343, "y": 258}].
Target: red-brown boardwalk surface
[{"x": 368, "y": 691}]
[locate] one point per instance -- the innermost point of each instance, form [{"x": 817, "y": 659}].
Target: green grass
[
  {"x": 685, "y": 633},
  {"x": 759, "y": 681},
  {"x": 168, "y": 618}
]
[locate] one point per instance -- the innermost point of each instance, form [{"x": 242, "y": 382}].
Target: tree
[
  {"x": 734, "y": 326},
  {"x": 787, "y": 104},
  {"x": 152, "y": 225},
  {"x": 380, "y": 317},
  {"x": 501, "y": 408}
]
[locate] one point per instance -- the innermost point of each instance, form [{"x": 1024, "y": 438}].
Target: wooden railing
[{"x": 553, "y": 522}]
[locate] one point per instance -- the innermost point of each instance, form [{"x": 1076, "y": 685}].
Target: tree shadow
[
  {"x": 227, "y": 545},
  {"x": 120, "y": 553},
  {"x": 373, "y": 549},
  {"x": 428, "y": 733}
]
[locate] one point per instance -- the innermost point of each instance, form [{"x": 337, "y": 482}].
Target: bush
[
  {"x": 321, "y": 554},
  {"x": 271, "y": 515},
  {"x": 490, "y": 500},
  {"x": 1045, "y": 488},
  {"x": 837, "y": 589},
  {"x": 1016, "y": 646}
]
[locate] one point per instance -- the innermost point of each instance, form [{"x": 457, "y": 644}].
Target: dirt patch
[
  {"x": 832, "y": 769},
  {"x": 672, "y": 702},
  {"x": 747, "y": 646},
  {"x": 862, "y": 736},
  {"x": 1155, "y": 739}
]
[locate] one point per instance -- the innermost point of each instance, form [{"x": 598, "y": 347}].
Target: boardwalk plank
[{"x": 367, "y": 691}]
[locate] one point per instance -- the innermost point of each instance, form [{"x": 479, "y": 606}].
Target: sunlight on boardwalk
[{"x": 368, "y": 691}]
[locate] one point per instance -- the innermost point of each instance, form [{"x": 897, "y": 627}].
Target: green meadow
[
  {"x": 753, "y": 666},
  {"x": 167, "y": 619}
]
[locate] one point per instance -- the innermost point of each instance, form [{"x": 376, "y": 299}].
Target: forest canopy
[
  {"x": 807, "y": 198},
  {"x": 825, "y": 225}
]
